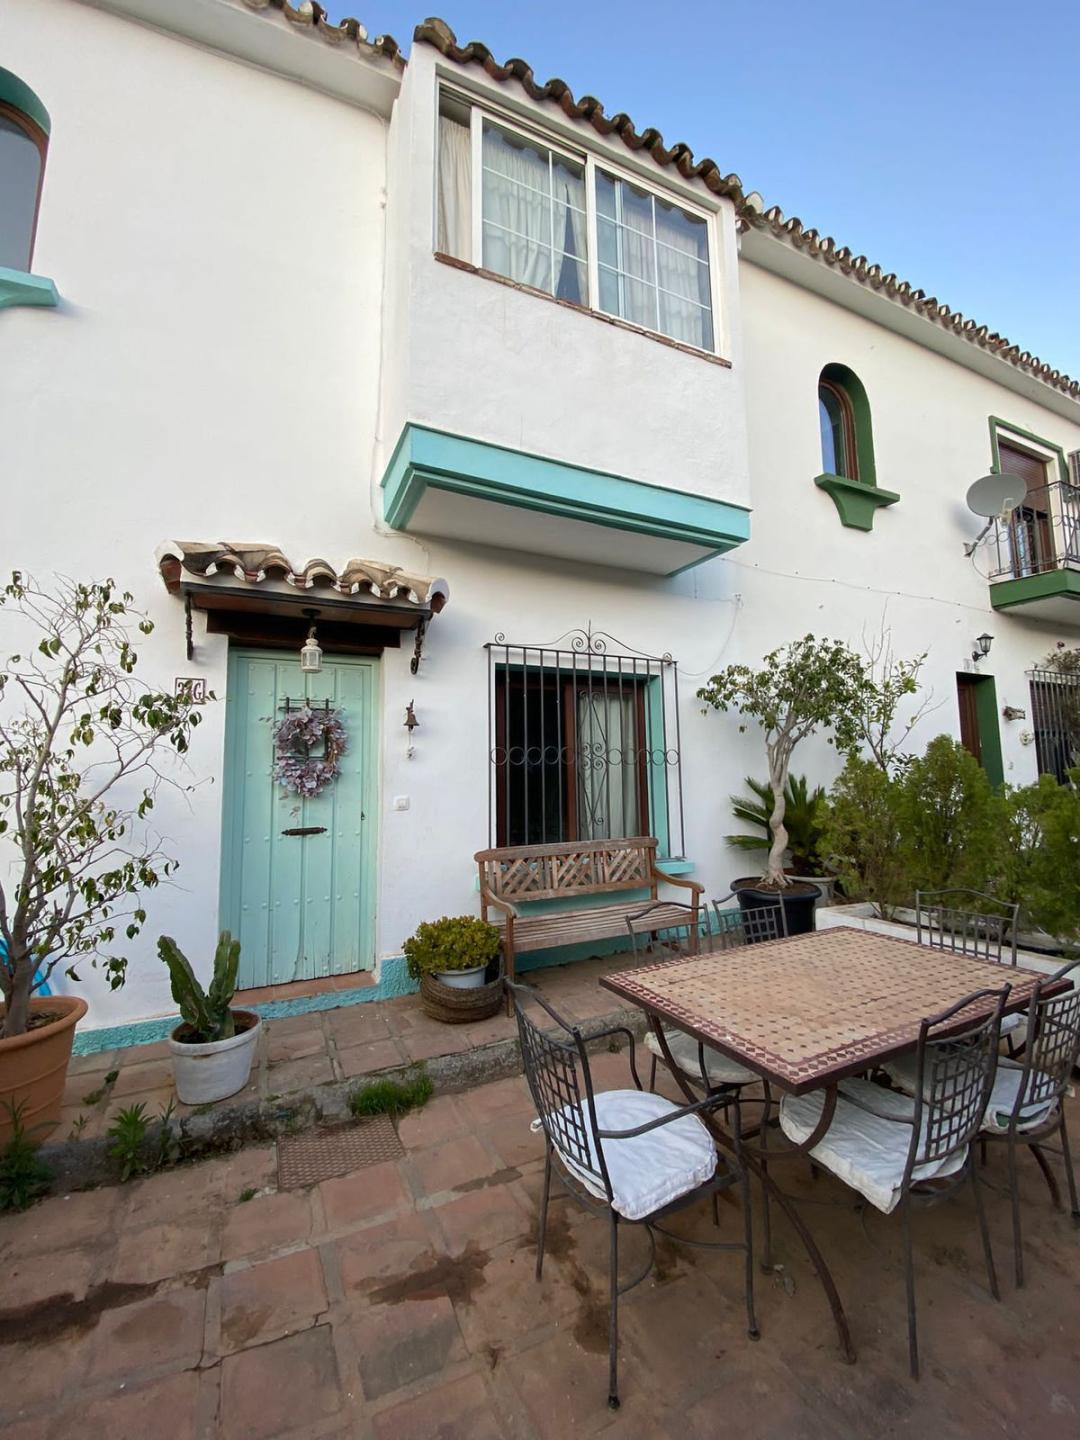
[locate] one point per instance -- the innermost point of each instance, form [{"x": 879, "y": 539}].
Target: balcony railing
[{"x": 1040, "y": 535}]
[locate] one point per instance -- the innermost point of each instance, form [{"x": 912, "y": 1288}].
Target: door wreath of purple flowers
[{"x": 295, "y": 736}]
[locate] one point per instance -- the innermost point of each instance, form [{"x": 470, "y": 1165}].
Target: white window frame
[{"x": 480, "y": 111}]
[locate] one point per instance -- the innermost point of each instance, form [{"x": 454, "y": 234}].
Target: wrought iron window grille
[
  {"x": 1055, "y": 720},
  {"x": 584, "y": 742}
]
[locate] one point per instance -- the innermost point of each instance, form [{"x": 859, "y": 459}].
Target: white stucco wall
[
  {"x": 217, "y": 370},
  {"x": 484, "y": 360}
]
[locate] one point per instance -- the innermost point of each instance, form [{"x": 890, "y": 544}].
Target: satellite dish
[{"x": 995, "y": 495}]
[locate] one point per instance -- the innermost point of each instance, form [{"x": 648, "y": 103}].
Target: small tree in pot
[
  {"x": 802, "y": 687},
  {"x": 81, "y": 742}
]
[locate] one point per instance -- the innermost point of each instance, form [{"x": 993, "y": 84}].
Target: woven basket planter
[{"x": 461, "y": 1007}]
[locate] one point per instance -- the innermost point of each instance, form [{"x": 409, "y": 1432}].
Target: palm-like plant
[{"x": 804, "y": 820}]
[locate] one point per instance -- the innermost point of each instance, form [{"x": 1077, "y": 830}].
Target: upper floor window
[
  {"x": 561, "y": 223},
  {"x": 847, "y": 445},
  {"x": 23, "y": 140}
]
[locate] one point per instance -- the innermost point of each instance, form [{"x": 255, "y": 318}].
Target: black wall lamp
[{"x": 982, "y": 648}]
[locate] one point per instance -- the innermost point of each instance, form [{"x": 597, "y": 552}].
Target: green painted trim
[
  {"x": 986, "y": 717},
  {"x": 854, "y": 501},
  {"x": 1004, "y": 594},
  {"x": 997, "y": 424},
  {"x": 846, "y": 380},
  {"x": 19, "y": 96},
  {"x": 19, "y": 287},
  {"x": 423, "y": 457}
]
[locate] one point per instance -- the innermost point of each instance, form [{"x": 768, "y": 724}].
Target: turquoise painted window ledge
[
  {"x": 855, "y": 502},
  {"x": 18, "y": 287},
  {"x": 425, "y": 457}
]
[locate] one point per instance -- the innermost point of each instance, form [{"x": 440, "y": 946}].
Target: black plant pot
[{"x": 798, "y": 900}]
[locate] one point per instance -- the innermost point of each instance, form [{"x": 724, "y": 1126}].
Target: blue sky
[{"x": 941, "y": 138}]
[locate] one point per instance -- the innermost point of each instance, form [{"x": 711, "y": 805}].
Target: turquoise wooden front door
[{"x": 301, "y": 905}]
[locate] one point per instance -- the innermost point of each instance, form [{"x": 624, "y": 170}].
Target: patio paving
[
  {"x": 398, "y": 1303},
  {"x": 298, "y": 1054}
]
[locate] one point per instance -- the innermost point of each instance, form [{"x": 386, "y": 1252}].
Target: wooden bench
[{"x": 569, "y": 872}]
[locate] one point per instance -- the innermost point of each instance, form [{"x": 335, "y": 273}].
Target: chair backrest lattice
[
  {"x": 1053, "y": 1042},
  {"x": 749, "y": 926},
  {"x": 954, "y": 1078},
  {"x": 967, "y": 922},
  {"x": 560, "y": 1082}
]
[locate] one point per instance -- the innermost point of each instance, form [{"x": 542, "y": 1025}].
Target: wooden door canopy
[{"x": 254, "y": 593}]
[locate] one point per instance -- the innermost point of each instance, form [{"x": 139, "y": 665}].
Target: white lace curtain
[
  {"x": 606, "y": 765},
  {"x": 455, "y": 190}
]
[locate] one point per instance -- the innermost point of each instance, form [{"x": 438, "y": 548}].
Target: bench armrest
[
  {"x": 664, "y": 878},
  {"x": 487, "y": 898}
]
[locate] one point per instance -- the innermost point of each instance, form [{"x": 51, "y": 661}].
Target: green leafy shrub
[
  {"x": 861, "y": 838},
  {"x": 393, "y": 1097},
  {"x": 134, "y": 1147},
  {"x": 24, "y": 1176},
  {"x": 1041, "y": 855},
  {"x": 951, "y": 821},
  {"x": 452, "y": 943},
  {"x": 207, "y": 1013},
  {"x": 804, "y": 819}
]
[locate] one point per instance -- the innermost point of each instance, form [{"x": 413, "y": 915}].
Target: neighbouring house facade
[{"x": 536, "y": 421}]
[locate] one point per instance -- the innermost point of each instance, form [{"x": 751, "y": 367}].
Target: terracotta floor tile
[
  {"x": 98, "y": 1063},
  {"x": 399, "y": 1344},
  {"x": 254, "y": 1167},
  {"x": 154, "y": 1103},
  {"x": 175, "y": 1247},
  {"x": 288, "y": 1076},
  {"x": 509, "y": 1302},
  {"x": 358, "y": 1024},
  {"x": 31, "y": 1373},
  {"x": 426, "y": 1045},
  {"x": 491, "y": 1216},
  {"x": 165, "y": 1329},
  {"x": 500, "y": 1097},
  {"x": 138, "y": 1078},
  {"x": 376, "y": 1190},
  {"x": 175, "y": 1194},
  {"x": 272, "y": 1389},
  {"x": 295, "y": 1044},
  {"x": 270, "y": 1299},
  {"x": 440, "y": 1120},
  {"x": 460, "y": 1410},
  {"x": 454, "y": 1163},
  {"x": 373, "y": 1257},
  {"x": 32, "y": 1278},
  {"x": 265, "y": 1223},
  {"x": 61, "y": 1222},
  {"x": 138, "y": 1411},
  {"x": 370, "y": 1056},
  {"x": 514, "y": 1140}
]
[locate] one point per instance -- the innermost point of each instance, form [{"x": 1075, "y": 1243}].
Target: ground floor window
[
  {"x": 584, "y": 743},
  {"x": 1055, "y": 715}
]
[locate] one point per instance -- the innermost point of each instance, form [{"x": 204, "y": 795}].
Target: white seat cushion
[
  {"x": 651, "y": 1170},
  {"x": 867, "y": 1153},
  {"x": 1003, "y": 1095},
  {"x": 719, "y": 1070}
]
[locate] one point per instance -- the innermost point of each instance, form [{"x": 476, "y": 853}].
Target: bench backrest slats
[{"x": 552, "y": 872}]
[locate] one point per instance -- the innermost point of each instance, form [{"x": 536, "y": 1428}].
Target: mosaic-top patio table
[{"x": 808, "y": 1012}]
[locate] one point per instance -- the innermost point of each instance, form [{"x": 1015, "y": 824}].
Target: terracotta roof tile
[
  {"x": 348, "y": 31},
  {"x": 749, "y": 207},
  {"x": 255, "y": 563}
]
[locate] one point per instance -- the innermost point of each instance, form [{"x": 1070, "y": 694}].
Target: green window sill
[
  {"x": 18, "y": 287},
  {"x": 854, "y": 501}
]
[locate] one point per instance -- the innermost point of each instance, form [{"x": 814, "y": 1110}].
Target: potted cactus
[{"x": 213, "y": 1046}]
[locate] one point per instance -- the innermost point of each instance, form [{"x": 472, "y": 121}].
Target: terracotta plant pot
[{"x": 33, "y": 1067}]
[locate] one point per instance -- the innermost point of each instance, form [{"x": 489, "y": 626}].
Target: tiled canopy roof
[
  {"x": 749, "y": 207},
  {"x": 202, "y": 560}
]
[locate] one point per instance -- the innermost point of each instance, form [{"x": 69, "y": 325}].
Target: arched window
[
  {"x": 24, "y": 137},
  {"x": 849, "y": 472}
]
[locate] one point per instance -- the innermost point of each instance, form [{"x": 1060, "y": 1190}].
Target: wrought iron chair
[
  {"x": 703, "y": 1065},
  {"x": 633, "y": 1156},
  {"x": 945, "y": 920},
  {"x": 959, "y": 921},
  {"x": 894, "y": 1148},
  {"x": 1026, "y": 1103}
]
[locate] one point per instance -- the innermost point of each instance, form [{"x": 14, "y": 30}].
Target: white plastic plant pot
[
  {"x": 470, "y": 979},
  {"x": 218, "y": 1068}
]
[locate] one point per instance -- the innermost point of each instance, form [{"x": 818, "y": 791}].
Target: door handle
[{"x": 306, "y": 830}]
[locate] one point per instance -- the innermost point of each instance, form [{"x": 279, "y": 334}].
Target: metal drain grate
[{"x": 307, "y": 1159}]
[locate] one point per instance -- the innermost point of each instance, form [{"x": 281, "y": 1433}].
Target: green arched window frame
[
  {"x": 23, "y": 111},
  {"x": 849, "y": 474}
]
